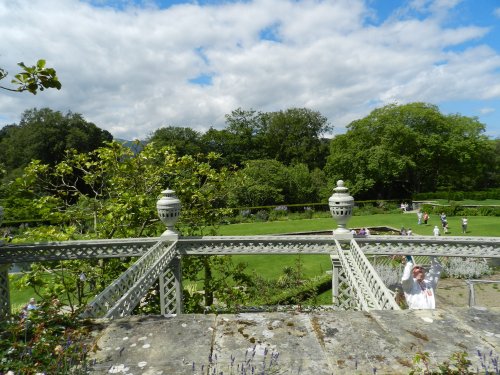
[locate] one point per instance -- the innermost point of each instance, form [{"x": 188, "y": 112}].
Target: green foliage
[
  {"x": 47, "y": 341},
  {"x": 290, "y": 137},
  {"x": 33, "y": 78},
  {"x": 46, "y": 135},
  {"x": 455, "y": 209},
  {"x": 294, "y": 136},
  {"x": 452, "y": 195},
  {"x": 285, "y": 290},
  {"x": 458, "y": 363},
  {"x": 225, "y": 284},
  {"x": 270, "y": 182},
  {"x": 185, "y": 141},
  {"x": 399, "y": 150},
  {"x": 112, "y": 192},
  {"x": 262, "y": 215}
]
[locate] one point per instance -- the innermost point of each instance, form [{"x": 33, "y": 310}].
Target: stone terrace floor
[{"x": 317, "y": 343}]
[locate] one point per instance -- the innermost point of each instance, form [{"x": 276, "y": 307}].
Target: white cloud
[
  {"x": 487, "y": 110},
  {"x": 128, "y": 70}
]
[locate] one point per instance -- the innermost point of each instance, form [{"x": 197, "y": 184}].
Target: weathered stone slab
[{"x": 316, "y": 343}]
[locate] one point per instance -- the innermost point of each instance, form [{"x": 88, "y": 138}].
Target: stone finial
[
  {"x": 169, "y": 209},
  {"x": 341, "y": 205}
]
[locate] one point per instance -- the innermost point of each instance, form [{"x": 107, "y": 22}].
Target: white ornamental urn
[
  {"x": 341, "y": 205},
  {"x": 169, "y": 209}
]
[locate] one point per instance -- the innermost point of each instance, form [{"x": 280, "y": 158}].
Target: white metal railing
[
  {"x": 136, "y": 292},
  {"x": 472, "y": 292},
  {"x": 118, "y": 297},
  {"x": 123, "y": 294},
  {"x": 371, "y": 293}
]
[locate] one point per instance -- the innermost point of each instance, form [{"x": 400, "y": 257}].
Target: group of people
[
  {"x": 423, "y": 217},
  {"x": 361, "y": 232},
  {"x": 405, "y": 206},
  {"x": 405, "y": 232}
]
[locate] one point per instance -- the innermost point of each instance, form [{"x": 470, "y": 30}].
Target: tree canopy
[
  {"x": 291, "y": 136},
  {"x": 45, "y": 135},
  {"x": 185, "y": 141},
  {"x": 269, "y": 182},
  {"x": 398, "y": 150}
]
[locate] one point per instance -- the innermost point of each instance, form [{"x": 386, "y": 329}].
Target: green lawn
[
  {"x": 19, "y": 296},
  {"x": 270, "y": 265},
  {"x": 478, "y": 225}
]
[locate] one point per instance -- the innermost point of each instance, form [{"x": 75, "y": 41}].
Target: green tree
[
  {"x": 112, "y": 192},
  {"x": 245, "y": 135},
  {"x": 240, "y": 141},
  {"x": 259, "y": 183},
  {"x": 398, "y": 150},
  {"x": 305, "y": 186},
  {"x": 291, "y": 136},
  {"x": 295, "y": 136},
  {"x": 185, "y": 141},
  {"x": 33, "y": 78},
  {"x": 45, "y": 135},
  {"x": 270, "y": 182}
]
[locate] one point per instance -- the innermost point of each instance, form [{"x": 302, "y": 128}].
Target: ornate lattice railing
[
  {"x": 475, "y": 247},
  {"x": 366, "y": 290},
  {"x": 478, "y": 247},
  {"x": 256, "y": 245},
  {"x": 158, "y": 262},
  {"x": 40, "y": 252},
  {"x": 123, "y": 295}
]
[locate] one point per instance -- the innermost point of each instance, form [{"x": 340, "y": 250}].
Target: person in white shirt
[
  {"x": 419, "y": 287},
  {"x": 464, "y": 225},
  {"x": 436, "y": 230}
]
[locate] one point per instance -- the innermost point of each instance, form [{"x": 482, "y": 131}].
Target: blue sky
[{"x": 132, "y": 66}]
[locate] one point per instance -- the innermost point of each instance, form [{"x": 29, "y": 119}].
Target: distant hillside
[{"x": 133, "y": 145}]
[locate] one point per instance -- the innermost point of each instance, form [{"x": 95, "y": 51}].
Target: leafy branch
[{"x": 32, "y": 78}]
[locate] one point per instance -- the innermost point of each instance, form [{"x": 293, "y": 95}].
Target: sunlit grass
[{"x": 478, "y": 225}]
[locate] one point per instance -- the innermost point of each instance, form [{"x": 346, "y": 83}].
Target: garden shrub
[
  {"x": 262, "y": 215},
  {"x": 467, "y": 211},
  {"x": 466, "y": 268},
  {"x": 278, "y": 294},
  {"x": 46, "y": 341},
  {"x": 308, "y": 213},
  {"x": 364, "y": 210},
  {"x": 456, "y": 196},
  {"x": 390, "y": 275},
  {"x": 459, "y": 195},
  {"x": 428, "y": 208},
  {"x": 278, "y": 213},
  {"x": 488, "y": 211}
]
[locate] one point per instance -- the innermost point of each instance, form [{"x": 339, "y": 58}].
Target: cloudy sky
[{"x": 132, "y": 66}]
